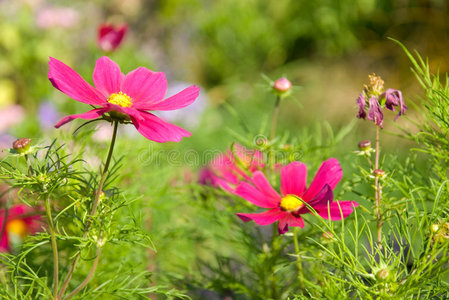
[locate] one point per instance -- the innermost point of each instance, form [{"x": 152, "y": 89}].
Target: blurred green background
[{"x": 326, "y": 47}]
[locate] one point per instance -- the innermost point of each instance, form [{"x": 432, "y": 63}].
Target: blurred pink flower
[
  {"x": 288, "y": 208},
  {"x": 21, "y": 221},
  {"x": 228, "y": 169},
  {"x": 124, "y": 98},
  {"x": 11, "y": 116},
  {"x": 54, "y": 17},
  {"x": 110, "y": 37}
]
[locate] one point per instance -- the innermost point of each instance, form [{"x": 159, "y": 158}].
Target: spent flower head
[{"x": 375, "y": 98}]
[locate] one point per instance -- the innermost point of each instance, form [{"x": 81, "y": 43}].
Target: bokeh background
[{"x": 326, "y": 48}]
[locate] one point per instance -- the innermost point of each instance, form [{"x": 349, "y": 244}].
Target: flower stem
[
  {"x": 378, "y": 190},
  {"x": 88, "y": 277},
  {"x": 274, "y": 121},
  {"x": 298, "y": 259},
  {"x": 54, "y": 248},
  {"x": 92, "y": 213}
]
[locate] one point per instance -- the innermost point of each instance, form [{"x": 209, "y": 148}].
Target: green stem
[
  {"x": 88, "y": 277},
  {"x": 92, "y": 213},
  {"x": 274, "y": 120},
  {"x": 298, "y": 259},
  {"x": 378, "y": 189},
  {"x": 54, "y": 248}
]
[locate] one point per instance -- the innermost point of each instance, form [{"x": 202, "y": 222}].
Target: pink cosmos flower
[
  {"x": 22, "y": 220},
  {"x": 110, "y": 37},
  {"x": 124, "y": 97},
  {"x": 288, "y": 206},
  {"x": 228, "y": 169}
]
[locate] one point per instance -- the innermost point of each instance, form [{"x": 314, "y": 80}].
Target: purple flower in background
[
  {"x": 394, "y": 98},
  {"x": 377, "y": 98},
  {"x": 47, "y": 115},
  {"x": 10, "y": 116},
  {"x": 54, "y": 17}
]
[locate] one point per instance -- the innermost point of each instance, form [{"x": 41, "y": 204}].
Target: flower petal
[
  {"x": 107, "y": 76},
  {"x": 375, "y": 112},
  {"x": 156, "y": 129},
  {"x": 180, "y": 100},
  {"x": 261, "y": 183},
  {"x": 361, "y": 103},
  {"x": 92, "y": 114},
  {"x": 265, "y": 218},
  {"x": 144, "y": 87},
  {"x": 72, "y": 84},
  {"x": 322, "y": 199},
  {"x": 329, "y": 173},
  {"x": 256, "y": 197},
  {"x": 293, "y": 179},
  {"x": 335, "y": 210},
  {"x": 289, "y": 220}
]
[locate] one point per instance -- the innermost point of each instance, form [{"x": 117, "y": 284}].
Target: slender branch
[
  {"x": 274, "y": 120},
  {"x": 92, "y": 212},
  {"x": 88, "y": 277},
  {"x": 272, "y": 164},
  {"x": 54, "y": 248},
  {"x": 378, "y": 189},
  {"x": 298, "y": 259}
]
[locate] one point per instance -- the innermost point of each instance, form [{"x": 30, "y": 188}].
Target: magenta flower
[
  {"x": 124, "y": 97},
  {"x": 110, "y": 37},
  {"x": 228, "y": 169},
  {"x": 22, "y": 220},
  {"x": 288, "y": 206}
]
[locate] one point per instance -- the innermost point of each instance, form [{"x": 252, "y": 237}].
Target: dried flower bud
[
  {"x": 379, "y": 173},
  {"x": 382, "y": 274},
  {"x": 364, "y": 145},
  {"x": 327, "y": 237},
  {"x": 21, "y": 145},
  {"x": 282, "y": 85}
]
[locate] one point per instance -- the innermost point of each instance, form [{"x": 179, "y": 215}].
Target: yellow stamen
[
  {"x": 291, "y": 203},
  {"x": 17, "y": 226},
  {"x": 376, "y": 84},
  {"x": 120, "y": 99}
]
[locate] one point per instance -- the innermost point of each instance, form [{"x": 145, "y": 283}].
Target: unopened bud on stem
[
  {"x": 21, "y": 145},
  {"x": 282, "y": 85},
  {"x": 379, "y": 173},
  {"x": 364, "y": 145}
]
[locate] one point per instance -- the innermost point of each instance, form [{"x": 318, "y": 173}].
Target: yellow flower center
[
  {"x": 17, "y": 226},
  {"x": 376, "y": 85},
  {"x": 120, "y": 99},
  {"x": 291, "y": 203}
]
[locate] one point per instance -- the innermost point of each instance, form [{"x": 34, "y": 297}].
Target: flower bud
[
  {"x": 379, "y": 173},
  {"x": 282, "y": 85},
  {"x": 364, "y": 145},
  {"x": 382, "y": 274},
  {"x": 22, "y": 145}
]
